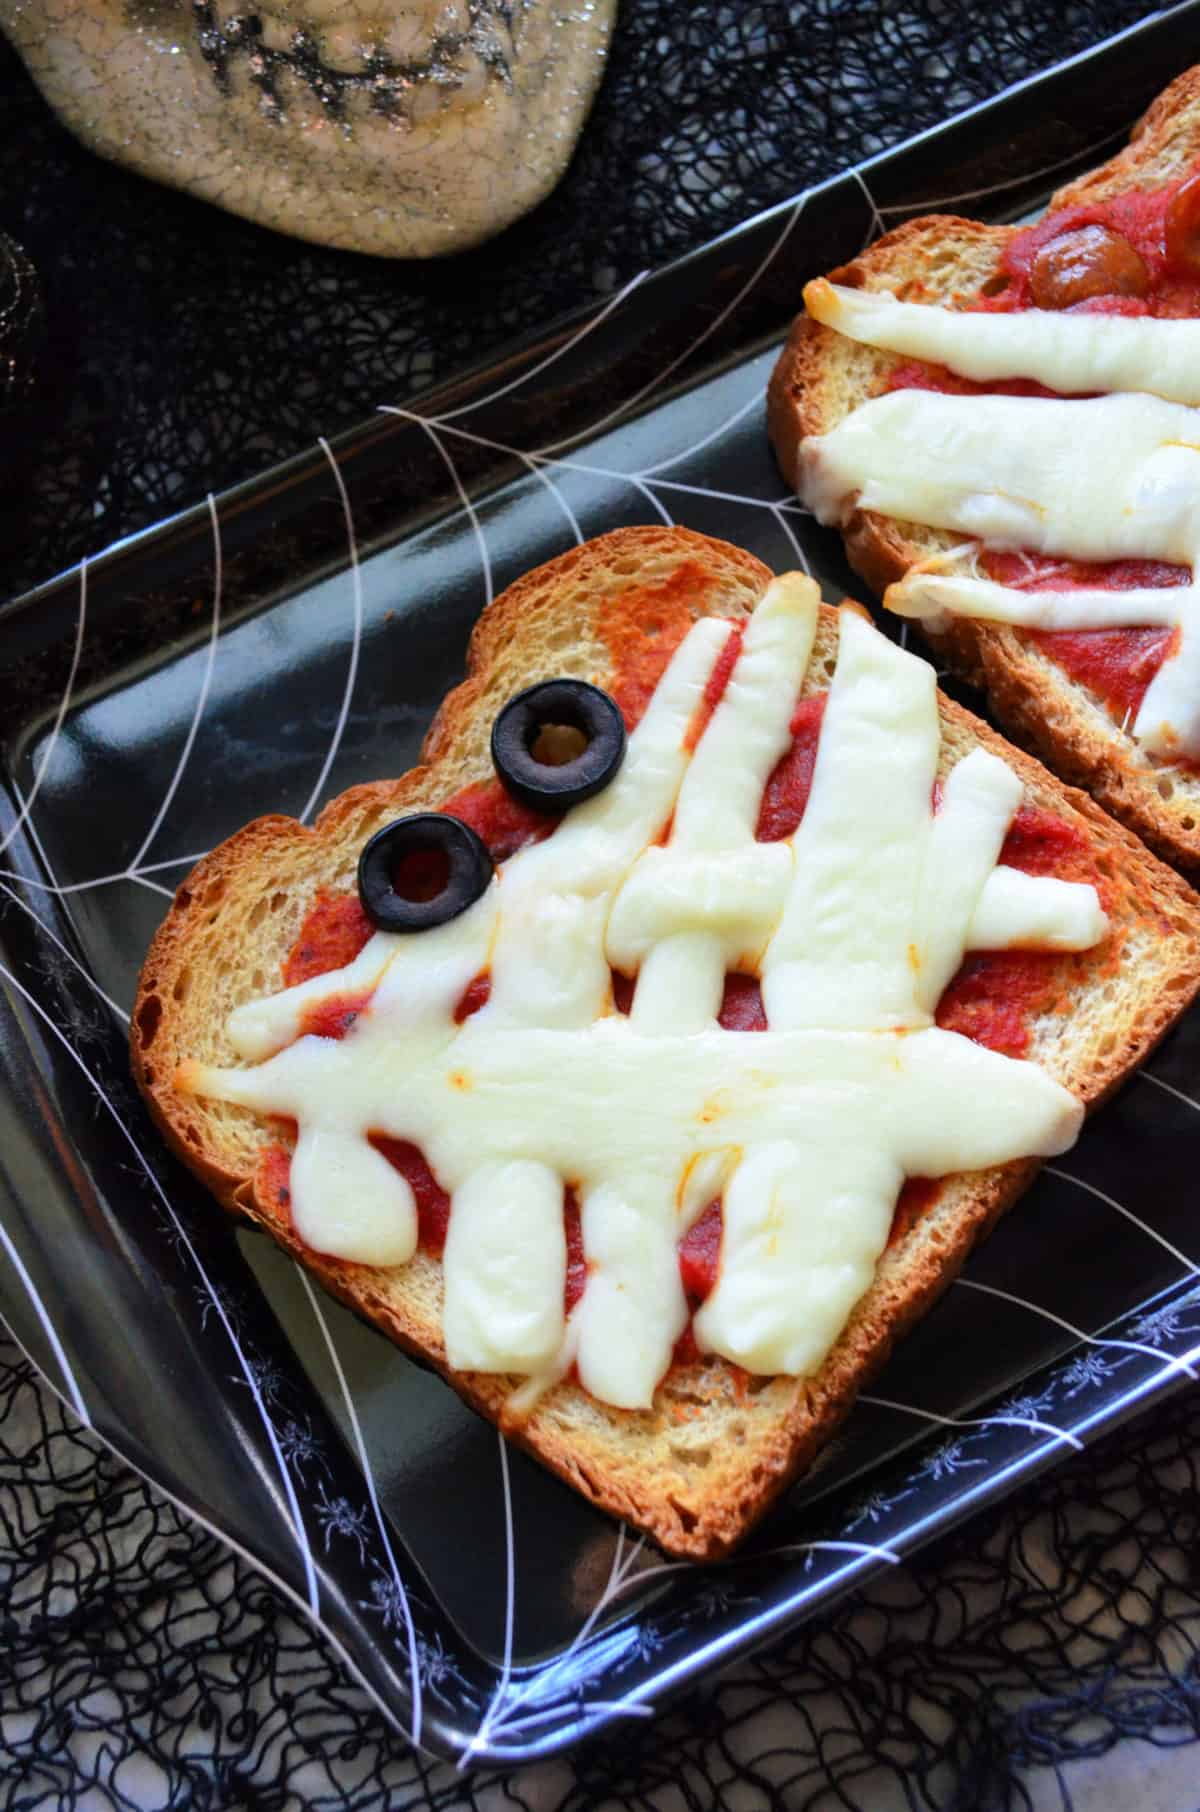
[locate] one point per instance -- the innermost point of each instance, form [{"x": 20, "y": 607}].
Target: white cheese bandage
[{"x": 1112, "y": 477}]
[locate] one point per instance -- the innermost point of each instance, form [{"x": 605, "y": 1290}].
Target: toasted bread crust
[
  {"x": 705, "y": 1463},
  {"x": 820, "y": 377}
]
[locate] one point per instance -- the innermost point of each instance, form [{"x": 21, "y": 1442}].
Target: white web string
[
  {"x": 535, "y": 471},
  {"x": 1132, "y": 1346},
  {"x": 876, "y": 226},
  {"x": 655, "y": 503},
  {"x": 201, "y": 698},
  {"x": 792, "y": 537},
  {"x": 875, "y": 1549},
  {"x": 356, "y": 640},
  {"x": 510, "y": 1596},
  {"x": 150, "y": 868},
  {"x": 1169, "y": 1088},
  {"x": 930, "y": 1415},
  {"x": 625, "y": 1708},
  {"x": 80, "y": 968},
  {"x": 535, "y": 461},
  {"x": 569, "y": 345},
  {"x": 1052, "y": 1170},
  {"x": 620, "y": 1575},
  {"x": 714, "y": 434},
  {"x": 480, "y": 542},
  {"x": 47, "y": 1326},
  {"x": 246, "y": 1368},
  {"x": 764, "y": 264},
  {"x": 364, "y": 1461},
  {"x": 993, "y": 188},
  {"x": 63, "y": 705}
]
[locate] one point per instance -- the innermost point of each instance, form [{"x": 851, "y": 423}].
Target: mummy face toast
[
  {"x": 407, "y": 130},
  {"x": 804, "y": 1131}
]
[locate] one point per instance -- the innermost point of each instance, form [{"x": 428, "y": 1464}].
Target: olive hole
[
  {"x": 421, "y": 874},
  {"x": 554, "y": 745},
  {"x": 995, "y": 286}
]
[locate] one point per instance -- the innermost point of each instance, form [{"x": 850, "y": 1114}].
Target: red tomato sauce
[
  {"x": 996, "y": 995},
  {"x": 742, "y": 1005},
  {"x": 622, "y": 990},
  {"x": 476, "y": 994},
  {"x": 994, "y": 998},
  {"x": 714, "y": 691},
  {"x": 272, "y": 1183},
  {"x": 700, "y": 1255},
  {"x": 786, "y": 793},
  {"x": 1116, "y": 664},
  {"x": 1140, "y": 218},
  {"x": 334, "y": 1017},
  {"x": 335, "y": 929},
  {"x": 915, "y": 374},
  {"x": 643, "y": 625},
  {"x": 577, "y": 1265},
  {"x": 503, "y": 823},
  {"x": 1041, "y": 843}
]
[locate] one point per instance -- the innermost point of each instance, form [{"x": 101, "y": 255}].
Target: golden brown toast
[
  {"x": 821, "y": 376},
  {"x": 717, "y": 1447}
]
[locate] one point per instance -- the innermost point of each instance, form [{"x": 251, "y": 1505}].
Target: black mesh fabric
[{"x": 143, "y": 1664}]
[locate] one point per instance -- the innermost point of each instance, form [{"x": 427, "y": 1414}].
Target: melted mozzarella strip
[
  {"x": 806, "y": 1130},
  {"x": 1109, "y": 479},
  {"x": 1067, "y": 352}
]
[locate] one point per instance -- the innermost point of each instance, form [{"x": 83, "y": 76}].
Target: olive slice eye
[
  {"x": 558, "y": 743},
  {"x": 422, "y": 871}
]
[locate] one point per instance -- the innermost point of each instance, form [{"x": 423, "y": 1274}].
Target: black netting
[{"x": 142, "y": 1664}]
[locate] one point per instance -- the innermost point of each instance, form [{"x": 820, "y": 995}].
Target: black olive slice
[
  {"x": 422, "y": 871},
  {"x": 546, "y": 720}
]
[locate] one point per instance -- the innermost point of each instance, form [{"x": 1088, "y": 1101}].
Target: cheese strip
[
  {"x": 678, "y": 916},
  {"x": 1113, "y": 478},
  {"x": 844, "y": 951},
  {"x": 803, "y": 1229},
  {"x": 807, "y": 1215},
  {"x": 505, "y": 1263},
  {"x": 1069, "y": 353},
  {"x": 549, "y": 967},
  {"x": 1016, "y": 911},
  {"x": 260, "y": 1027},
  {"x": 932, "y": 597},
  {"x": 980, "y": 797},
  {"x": 1109, "y": 479}
]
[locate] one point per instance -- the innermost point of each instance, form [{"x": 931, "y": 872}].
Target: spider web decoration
[{"x": 865, "y": 1699}]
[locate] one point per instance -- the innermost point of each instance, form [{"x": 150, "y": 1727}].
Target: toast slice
[
  {"x": 699, "y": 1467},
  {"x": 822, "y": 376}
]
